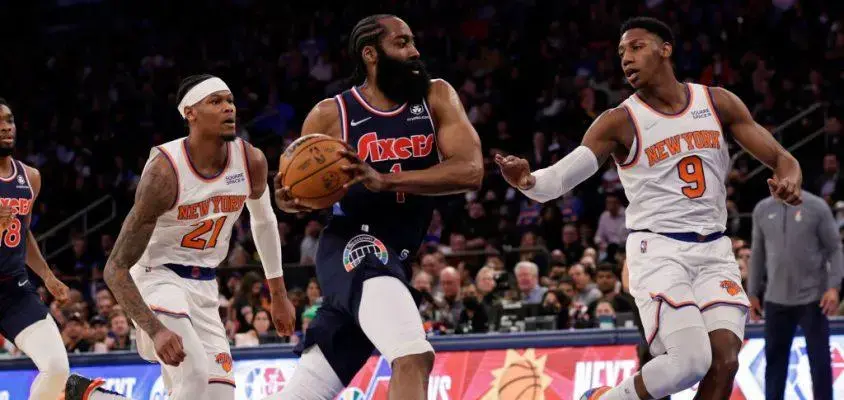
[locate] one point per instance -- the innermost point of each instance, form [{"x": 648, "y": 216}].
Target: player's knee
[
  {"x": 422, "y": 362},
  {"x": 725, "y": 348},
  {"x": 725, "y": 362},
  {"x": 691, "y": 364},
  {"x": 699, "y": 363}
]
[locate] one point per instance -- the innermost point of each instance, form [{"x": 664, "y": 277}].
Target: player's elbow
[
  {"x": 110, "y": 275},
  {"x": 474, "y": 175}
]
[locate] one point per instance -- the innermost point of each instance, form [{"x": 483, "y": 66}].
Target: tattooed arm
[{"x": 157, "y": 192}]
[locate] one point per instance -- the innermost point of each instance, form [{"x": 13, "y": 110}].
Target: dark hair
[
  {"x": 3, "y": 102},
  {"x": 367, "y": 32},
  {"x": 606, "y": 267},
  {"x": 189, "y": 83},
  {"x": 651, "y": 25}
]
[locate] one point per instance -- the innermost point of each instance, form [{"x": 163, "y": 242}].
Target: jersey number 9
[{"x": 690, "y": 170}]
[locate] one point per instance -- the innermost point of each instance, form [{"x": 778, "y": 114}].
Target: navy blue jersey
[
  {"x": 402, "y": 139},
  {"x": 16, "y": 192}
]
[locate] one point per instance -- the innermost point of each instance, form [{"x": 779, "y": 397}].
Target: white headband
[{"x": 201, "y": 91}]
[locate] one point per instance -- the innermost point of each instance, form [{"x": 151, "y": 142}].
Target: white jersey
[
  {"x": 196, "y": 231},
  {"x": 674, "y": 178}
]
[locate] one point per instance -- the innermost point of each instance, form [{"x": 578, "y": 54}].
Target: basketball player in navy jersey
[
  {"x": 24, "y": 319},
  {"x": 411, "y": 140}
]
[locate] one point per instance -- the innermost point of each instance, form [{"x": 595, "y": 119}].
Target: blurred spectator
[
  {"x": 308, "y": 248},
  {"x": 473, "y": 317},
  {"x": 99, "y": 334},
  {"x": 450, "y": 302},
  {"x": 433, "y": 264},
  {"x": 828, "y": 183},
  {"x": 571, "y": 247},
  {"x": 104, "y": 301},
  {"x": 604, "y": 315},
  {"x": 73, "y": 334},
  {"x": 119, "y": 335},
  {"x": 477, "y": 227},
  {"x": 607, "y": 282},
  {"x": 314, "y": 292},
  {"x": 586, "y": 291},
  {"x": 261, "y": 332},
  {"x": 528, "y": 248},
  {"x": 527, "y": 276},
  {"x": 611, "y": 228}
]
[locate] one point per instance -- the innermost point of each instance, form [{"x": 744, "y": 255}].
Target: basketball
[
  {"x": 312, "y": 168},
  {"x": 520, "y": 382}
]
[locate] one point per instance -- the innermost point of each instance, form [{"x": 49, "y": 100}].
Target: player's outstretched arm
[
  {"x": 34, "y": 258},
  {"x": 264, "y": 225},
  {"x": 461, "y": 168},
  {"x": 600, "y": 141},
  {"x": 736, "y": 118},
  {"x": 156, "y": 193}
]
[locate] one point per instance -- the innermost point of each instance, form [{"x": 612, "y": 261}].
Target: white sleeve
[
  {"x": 265, "y": 234},
  {"x": 564, "y": 175}
]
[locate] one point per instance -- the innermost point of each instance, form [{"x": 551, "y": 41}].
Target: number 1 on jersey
[
  {"x": 193, "y": 241},
  {"x": 690, "y": 170},
  {"x": 399, "y": 195}
]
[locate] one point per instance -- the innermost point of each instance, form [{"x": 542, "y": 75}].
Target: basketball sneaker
[
  {"x": 595, "y": 393},
  {"x": 81, "y": 388}
]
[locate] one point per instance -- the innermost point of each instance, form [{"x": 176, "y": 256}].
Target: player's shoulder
[
  {"x": 723, "y": 99},
  {"x": 325, "y": 110},
  {"x": 441, "y": 86},
  {"x": 256, "y": 161},
  {"x": 324, "y": 118},
  {"x": 614, "y": 119},
  {"x": 441, "y": 91},
  {"x": 161, "y": 164},
  {"x": 30, "y": 171},
  {"x": 159, "y": 184}
]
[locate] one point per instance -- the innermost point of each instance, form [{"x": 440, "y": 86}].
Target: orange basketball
[
  {"x": 520, "y": 381},
  {"x": 311, "y": 168}
]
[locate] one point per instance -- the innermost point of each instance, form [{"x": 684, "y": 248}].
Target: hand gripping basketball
[
  {"x": 362, "y": 172},
  {"x": 285, "y": 200},
  {"x": 310, "y": 173}
]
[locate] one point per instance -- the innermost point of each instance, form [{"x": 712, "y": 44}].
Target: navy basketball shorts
[
  {"x": 20, "y": 305},
  {"x": 349, "y": 326}
]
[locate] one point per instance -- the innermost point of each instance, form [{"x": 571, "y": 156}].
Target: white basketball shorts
[
  {"x": 667, "y": 274},
  {"x": 198, "y": 300}
]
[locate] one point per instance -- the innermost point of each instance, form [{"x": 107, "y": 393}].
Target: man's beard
[
  {"x": 398, "y": 81},
  {"x": 228, "y": 137},
  {"x": 6, "y": 151}
]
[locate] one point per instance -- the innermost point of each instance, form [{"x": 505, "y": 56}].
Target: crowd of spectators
[{"x": 93, "y": 84}]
